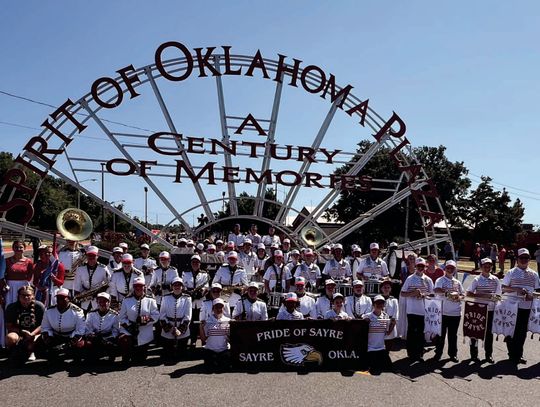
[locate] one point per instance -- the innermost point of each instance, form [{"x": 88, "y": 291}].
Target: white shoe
[{"x": 32, "y": 357}]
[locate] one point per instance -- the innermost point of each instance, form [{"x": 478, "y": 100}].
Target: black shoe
[
  {"x": 437, "y": 357},
  {"x": 489, "y": 359},
  {"x": 419, "y": 359},
  {"x": 454, "y": 359},
  {"x": 521, "y": 361},
  {"x": 475, "y": 359}
]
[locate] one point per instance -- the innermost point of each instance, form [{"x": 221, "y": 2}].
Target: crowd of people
[{"x": 77, "y": 307}]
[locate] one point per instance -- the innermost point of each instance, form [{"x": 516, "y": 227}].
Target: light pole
[
  {"x": 114, "y": 213},
  {"x": 103, "y": 196},
  {"x": 146, "y": 206},
  {"x": 79, "y": 192}
]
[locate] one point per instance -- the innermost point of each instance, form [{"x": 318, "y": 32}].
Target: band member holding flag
[
  {"x": 521, "y": 280},
  {"x": 485, "y": 286},
  {"x": 48, "y": 275}
]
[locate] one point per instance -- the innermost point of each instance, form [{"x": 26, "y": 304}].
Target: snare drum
[
  {"x": 372, "y": 287},
  {"x": 274, "y": 300},
  {"x": 344, "y": 289}
]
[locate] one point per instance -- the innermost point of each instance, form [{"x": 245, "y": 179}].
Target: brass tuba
[
  {"x": 74, "y": 224},
  {"x": 311, "y": 235}
]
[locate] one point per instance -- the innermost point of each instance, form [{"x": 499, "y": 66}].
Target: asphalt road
[{"x": 463, "y": 384}]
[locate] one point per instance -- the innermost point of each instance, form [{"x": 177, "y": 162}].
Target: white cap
[
  {"x": 486, "y": 260},
  {"x": 217, "y": 285},
  {"x": 338, "y": 246},
  {"x": 261, "y": 246},
  {"x": 191, "y": 242},
  {"x": 356, "y": 248},
  {"x": 357, "y": 282},
  {"x": 139, "y": 281},
  {"x": 420, "y": 260},
  {"x": 247, "y": 241},
  {"x": 200, "y": 246},
  {"x": 63, "y": 291},
  {"x": 278, "y": 253},
  {"x": 286, "y": 241},
  {"x": 326, "y": 247},
  {"x": 523, "y": 251},
  {"x": 145, "y": 246},
  {"x": 232, "y": 254},
  {"x": 393, "y": 244},
  {"x": 123, "y": 245},
  {"x": 164, "y": 255},
  {"x": 107, "y": 296},
  {"x": 117, "y": 250},
  {"x": 177, "y": 280},
  {"x": 127, "y": 258},
  {"x": 230, "y": 244},
  {"x": 337, "y": 295},
  {"x": 290, "y": 297},
  {"x": 219, "y": 241},
  {"x": 218, "y": 301},
  {"x": 329, "y": 281},
  {"x": 294, "y": 251},
  {"x": 42, "y": 247},
  {"x": 374, "y": 246},
  {"x": 92, "y": 250},
  {"x": 195, "y": 257},
  {"x": 300, "y": 280},
  {"x": 253, "y": 284},
  {"x": 308, "y": 252},
  {"x": 451, "y": 263},
  {"x": 211, "y": 246},
  {"x": 182, "y": 240},
  {"x": 378, "y": 298},
  {"x": 274, "y": 246}
]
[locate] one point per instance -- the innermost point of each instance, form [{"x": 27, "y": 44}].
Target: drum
[
  {"x": 274, "y": 300},
  {"x": 256, "y": 277},
  {"x": 344, "y": 289},
  {"x": 372, "y": 287}
]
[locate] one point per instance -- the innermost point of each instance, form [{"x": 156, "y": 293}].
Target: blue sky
[{"x": 462, "y": 74}]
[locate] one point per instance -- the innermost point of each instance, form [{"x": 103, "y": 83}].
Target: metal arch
[
  {"x": 128, "y": 156},
  {"x": 172, "y": 127},
  {"x": 233, "y": 207}
]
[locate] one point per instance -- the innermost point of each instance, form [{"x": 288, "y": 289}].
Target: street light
[
  {"x": 103, "y": 196},
  {"x": 146, "y": 206},
  {"x": 79, "y": 192},
  {"x": 114, "y": 213}
]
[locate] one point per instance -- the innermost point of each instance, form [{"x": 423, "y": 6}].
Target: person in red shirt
[
  {"x": 19, "y": 271},
  {"x": 433, "y": 270},
  {"x": 57, "y": 279}
]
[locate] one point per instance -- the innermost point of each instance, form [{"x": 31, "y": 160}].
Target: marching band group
[{"x": 96, "y": 310}]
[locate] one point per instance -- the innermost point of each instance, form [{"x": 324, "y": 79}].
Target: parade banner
[
  {"x": 504, "y": 317},
  {"x": 297, "y": 345},
  {"x": 475, "y": 320},
  {"x": 432, "y": 317},
  {"x": 534, "y": 318}
]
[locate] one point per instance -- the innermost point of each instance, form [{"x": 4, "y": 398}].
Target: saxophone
[
  {"x": 90, "y": 293},
  {"x": 70, "y": 275}
]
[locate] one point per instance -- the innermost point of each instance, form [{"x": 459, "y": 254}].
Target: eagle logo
[{"x": 299, "y": 354}]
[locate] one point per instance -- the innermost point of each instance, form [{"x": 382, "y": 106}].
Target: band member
[
  {"x": 71, "y": 257},
  {"x": 337, "y": 267},
  {"x": 248, "y": 259},
  {"x": 379, "y": 328},
  {"x": 261, "y": 259},
  {"x": 220, "y": 250},
  {"x": 357, "y": 304},
  {"x": 289, "y": 310},
  {"x": 433, "y": 270},
  {"x": 254, "y": 236},
  {"x": 372, "y": 266},
  {"x": 486, "y": 285},
  {"x": 215, "y": 337},
  {"x": 206, "y": 310},
  {"x": 324, "y": 302},
  {"x": 391, "y": 307},
  {"x": 124, "y": 246},
  {"x": 356, "y": 259},
  {"x": 236, "y": 236},
  {"x": 271, "y": 238},
  {"x": 324, "y": 256},
  {"x": 137, "y": 317},
  {"x": 62, "y": 328},
  {"x": 277, "y": 277},
  {"x": 414, "y": 290},
  {"x": 309, "y": 270},
  {"x": 270, "y": 260},
  {"x": 407, "y": 270},
  {"x": 286, "y": 249},
  {"x": 102, "y": 329},
  {"x": 19, "y": 272},
  {"x": 451, "y": 310},
  {"x": 337, "y": 311},
  {"x": 175, "y": 317},
  {"x": 293, "y": 264},
  {"x": 392, "y": 261},
  {"x": 522, "y": 281},
  {"x": 145, "y": 263},
  {"x": 49, "y": 286},
  {"x": 23, "y": 322},
  {"x": 250, "y": 307},
  {"x": 196, "y": 283},
  {"x": 306, "y": 303},
  {"x": 89, "y": 278},
  {"x": 163, "y": 277},
  {"x": 232, "y": 276},
  {"x": 115, "y": 261},
  {"x": 121, "y": 284}
]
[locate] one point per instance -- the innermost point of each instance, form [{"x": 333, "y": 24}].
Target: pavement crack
[{"x": 460, "y": 390}]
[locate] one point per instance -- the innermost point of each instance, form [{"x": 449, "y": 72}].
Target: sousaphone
[{"x": 74, "y": 224}]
